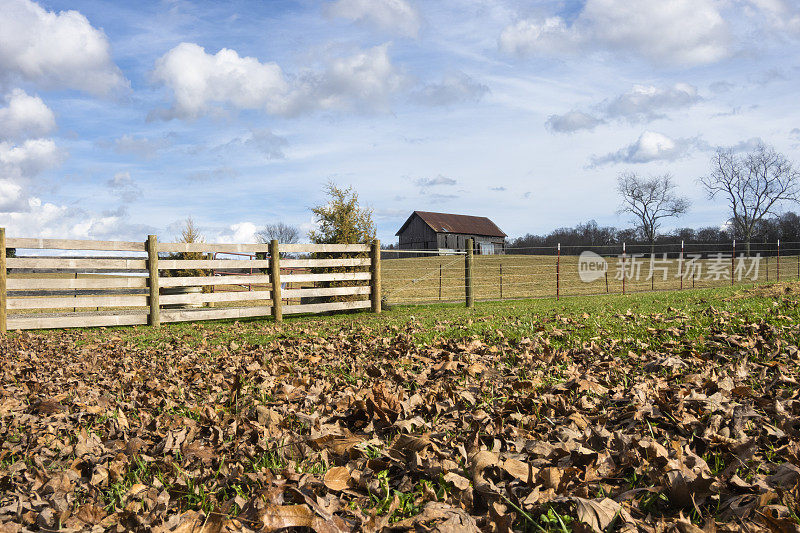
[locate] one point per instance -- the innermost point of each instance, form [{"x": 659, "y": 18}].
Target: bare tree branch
[
  {"x": 284, "y": 233},
  {"x": 754, "y": 184},
  {"x": 650, "y": 200}
]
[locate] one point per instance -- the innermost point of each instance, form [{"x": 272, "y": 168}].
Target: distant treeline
[{"x": 607, "y": 240}]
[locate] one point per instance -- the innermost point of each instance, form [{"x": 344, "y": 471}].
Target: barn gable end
[{"x": 425, "y": 230}]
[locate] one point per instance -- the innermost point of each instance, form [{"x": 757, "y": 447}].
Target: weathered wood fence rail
[{"x": 176, "y": 282}]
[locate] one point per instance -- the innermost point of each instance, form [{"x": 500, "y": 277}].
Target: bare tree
[
  {"x": 650, "y": 200},
  {"x": 284, "y": 233},
  {"x": 755, "y": 184}
]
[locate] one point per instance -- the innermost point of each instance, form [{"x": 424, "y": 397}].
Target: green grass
[{"x": 570, "y": 321}]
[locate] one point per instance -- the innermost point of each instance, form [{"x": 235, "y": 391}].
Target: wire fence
[{"x": 561, "y": 271}]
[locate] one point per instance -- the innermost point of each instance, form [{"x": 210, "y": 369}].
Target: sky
[{"x": 122, "y": 119}]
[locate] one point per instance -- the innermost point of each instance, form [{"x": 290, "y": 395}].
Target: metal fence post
[
  {"x": 375, "y": 266},
  {"x": 623, "y": 268},
  {"x": 501, "y": 280},
  {"x": 154, "y": 318},
  {"x": 778, "y": 258},
  {"x": 558, "y": 272},
  {"x": 733, "y": 258},
  {"x": 275, "y": 280},
  {"x": 470, "y": 298},
  {"x": 680, "y": 266}
]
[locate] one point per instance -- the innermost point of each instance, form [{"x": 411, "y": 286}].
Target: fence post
[
  {"x": 501, "y": 280},
  {"x": 651, "y": 272},
  {"x": 778, "y": 258},
  {"x": 154, "y": 319},
  {"x": 623, "y": 268},
  {"x": 275, "y": 280},
  {"x": 733, "y": 258},
  {"x": 680, "y": 266},
  {"x": 468, "y": 275},
  {"x": 210, "y": 256},
  {"x": 440, "y": 277},
  {"x": 375, "y": 267},
  {"x": 558, "y": 272}
]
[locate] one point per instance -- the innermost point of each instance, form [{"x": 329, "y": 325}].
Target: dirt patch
[{"x": 773, "y": 290}]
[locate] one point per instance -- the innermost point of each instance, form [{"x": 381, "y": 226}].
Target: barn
[{"x": 446, "y": 232}]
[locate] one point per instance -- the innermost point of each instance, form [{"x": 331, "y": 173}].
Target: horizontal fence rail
[{"x": 58, "y": 283}]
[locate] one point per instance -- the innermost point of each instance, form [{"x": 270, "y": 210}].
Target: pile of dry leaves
[{"x": 360, "y": 431}]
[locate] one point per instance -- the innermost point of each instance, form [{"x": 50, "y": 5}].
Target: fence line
[
  {"x": 179, "y": 282},
  {"x": 547, "y": 273}
]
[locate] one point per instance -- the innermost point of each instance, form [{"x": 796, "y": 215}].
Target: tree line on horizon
[{"x": 609, "y": 239}]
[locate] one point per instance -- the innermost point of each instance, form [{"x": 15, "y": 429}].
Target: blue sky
[{"x": 122, "y": 119}]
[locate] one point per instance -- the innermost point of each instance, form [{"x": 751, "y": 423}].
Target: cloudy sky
[{"x": 119, "y": 119}]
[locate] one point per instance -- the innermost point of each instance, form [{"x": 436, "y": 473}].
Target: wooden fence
[{"x": 135, "y": 283}]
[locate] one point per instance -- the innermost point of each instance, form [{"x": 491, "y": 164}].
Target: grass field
[
  {"x": 606, "y": 412},
  {"x": 441, "y": 278}
]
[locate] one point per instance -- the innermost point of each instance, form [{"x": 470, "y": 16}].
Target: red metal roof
[{"x": 449, "y": 223}]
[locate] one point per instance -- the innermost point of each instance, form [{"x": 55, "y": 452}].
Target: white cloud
[
  {"x": 396, "y": 16},
  {"x": 650, "y": 146},
  {"x": 571, "y": 122},
  {"x": 452, "y": 89},
  {"x": 722, "y": 86},
  {"x": 643, "y": 103},
  {"x": 438, "y": 180},
  {"x": 239, "y": 233},
  {"x": 365, "y": 79},
  {"x": 679, "y": 32},
  {"x": 25, "y": 116},
  {"x": 55, "y": 50},
  {"x": 29, "y": 159},
  {"x": 261, "y": 140},
  {"x": 199, "y": 80},
  {"x": 11, "y": 198},
  {"x": 550, "y": 37},
  {"x": 204, "y": 84},
  {"x": 782, "y": 15},
  {"x": 124, "y": 188},
  {"x": 139, "y": 146},
  {"x": 49, "y": 220},
  {"x": 747, "y": 145}
]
